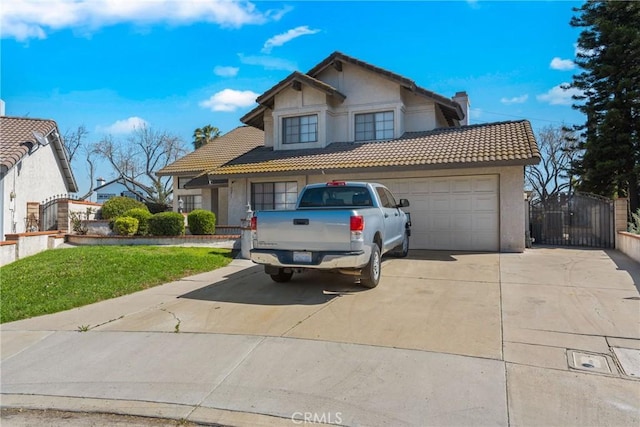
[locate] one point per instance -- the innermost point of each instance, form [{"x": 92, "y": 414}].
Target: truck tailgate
[{"x": 305, "y": 230}]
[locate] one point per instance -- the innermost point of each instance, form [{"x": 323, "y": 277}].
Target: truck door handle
[
  {"x": 396, "y": 214},
  {"x": 386, "y": 215},
  {"x": 298, "y": 221}
]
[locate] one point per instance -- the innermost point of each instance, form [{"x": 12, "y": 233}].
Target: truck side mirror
[{"x": 403, "y": 203}]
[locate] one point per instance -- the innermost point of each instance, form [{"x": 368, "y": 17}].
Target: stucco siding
[
  {"x": 34, "y": 179},
  {"x": 511, "y": 189}
]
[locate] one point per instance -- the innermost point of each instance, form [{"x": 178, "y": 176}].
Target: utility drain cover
[
  {"x": 590, "y": 362},
  {"x": 629, "y": 360}
]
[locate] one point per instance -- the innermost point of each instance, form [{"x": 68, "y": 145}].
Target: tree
[
  {"x": 552, "y": 175},
  {"x": 75, "y": 142},
  {"x": 609, "y": 55},
  {"x": 204, "y": 135},
  {"x": 140, "y": 156}
]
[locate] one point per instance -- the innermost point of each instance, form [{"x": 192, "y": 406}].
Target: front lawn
[{"x": 61, "y": 279}]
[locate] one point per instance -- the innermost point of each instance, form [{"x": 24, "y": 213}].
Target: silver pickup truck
[{"x": 340, "y": 226}]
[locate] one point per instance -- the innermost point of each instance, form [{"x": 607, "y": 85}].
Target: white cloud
[
  {"x": 268, "y": 62},
  {"x": 229, "y": 100},
  {"x": 515, "y": 100},
  {"x": 226, "y": 71},
  {"x": 283, "y": 38},
  {"x": 25, "y": 19},
  {"x": 562, "y": 64},
  {"x": 124, "y": 126},
  {"x": 557, "y": 95}
]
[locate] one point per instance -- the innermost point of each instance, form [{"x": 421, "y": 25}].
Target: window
[
  {"x": 374, "y": 126},
  {"x": 182, "y": 180},
  {"x": 274, "y": 195},
  {"x": 338, "y": 196},
  {"x": 189, "y": 203},
  {"x": 300, "y": 129}
]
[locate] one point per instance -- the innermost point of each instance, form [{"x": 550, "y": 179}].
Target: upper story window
[
  {"x": 374, "y": 126},
  {"x": 300, "y": 129}
]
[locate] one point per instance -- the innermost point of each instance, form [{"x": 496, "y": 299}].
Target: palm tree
[{"x": 204, "y": 135}]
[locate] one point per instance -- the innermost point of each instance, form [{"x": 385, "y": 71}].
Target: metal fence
[
  {"x": 577, "y": 219},
  {"x": 50, "y": 212}
]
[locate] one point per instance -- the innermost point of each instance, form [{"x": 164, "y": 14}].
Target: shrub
[
  {"x": 143, "y": 216},
  {"x": 634, "y": 225},
  {"x": 201, "y": 222},
  {"x": 125, "y": 226},
  {"x": 117, "y": 206},
  {"x": 166, "y": 224}
]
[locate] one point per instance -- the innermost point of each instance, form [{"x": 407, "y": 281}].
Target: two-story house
[{"x": 349, "y": 120}]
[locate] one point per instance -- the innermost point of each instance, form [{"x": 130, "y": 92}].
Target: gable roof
[
  {"x": 492, "y": 144},
  {"x": 17, "y": 139},
  {"x": 216, "y": 153},
  {"x": 450, "y": 109},
  {"x": 266, "y": 100},
  {"x": 121, "y": 178}
]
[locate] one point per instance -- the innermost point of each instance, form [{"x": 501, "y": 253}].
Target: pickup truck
[{"x": 339, "y": 226}]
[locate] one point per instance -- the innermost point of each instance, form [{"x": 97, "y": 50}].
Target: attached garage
[{"x": 452, "y": 212}]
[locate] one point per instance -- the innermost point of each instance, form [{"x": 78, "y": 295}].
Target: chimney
[
  {"x": 100, "y": 182},
  {"x": 462, "y": 99}
]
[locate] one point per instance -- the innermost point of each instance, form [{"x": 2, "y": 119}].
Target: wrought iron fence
[
  {"x": 577, "y": 219},
  {"x": 50, "y": 214}
]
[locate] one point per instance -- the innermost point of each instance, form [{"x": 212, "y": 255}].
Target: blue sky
[{"x": 177, "y": 65}]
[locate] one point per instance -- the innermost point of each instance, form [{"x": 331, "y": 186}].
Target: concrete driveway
[{"x": 445, "y": 339}]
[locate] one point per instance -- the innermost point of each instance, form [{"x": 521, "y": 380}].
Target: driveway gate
[{"x": 577, "y": 219}]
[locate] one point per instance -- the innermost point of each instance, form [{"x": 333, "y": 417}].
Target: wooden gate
[{"x": 577, "y": 219}]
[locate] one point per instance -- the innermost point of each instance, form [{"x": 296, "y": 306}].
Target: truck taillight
[
  {"x": 336, "y": 183},
  {"x": 356, "y": 223},
  {"x": 254, "y": 223}
]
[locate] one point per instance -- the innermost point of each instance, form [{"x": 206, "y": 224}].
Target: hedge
[
  {"x": 201, "y": 222},
  {"x": 166, "y": 224},
  {"x": 117, "y": 206},
  {"x": 125, "y": 226},
  {"x": 143, "y": 216}
]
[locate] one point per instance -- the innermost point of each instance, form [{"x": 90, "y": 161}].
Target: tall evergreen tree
[{"x": 609, "y": 54}]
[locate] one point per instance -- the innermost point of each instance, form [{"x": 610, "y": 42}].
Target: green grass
[{"x": 61, "y": 279}]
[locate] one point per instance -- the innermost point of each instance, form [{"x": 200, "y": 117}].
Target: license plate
[{"x": 302, "y": 257}]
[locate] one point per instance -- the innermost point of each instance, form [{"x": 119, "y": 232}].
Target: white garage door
[{"x": 452, "y": 213}]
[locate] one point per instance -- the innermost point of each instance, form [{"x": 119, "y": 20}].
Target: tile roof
[
  {"x": 492, "y": 144},
  {"x": 17, "y": 139},
  {"x": 266, "y": 100},
  {"x": 216, "y": 153},
  {"x": 450, "y": 109}
]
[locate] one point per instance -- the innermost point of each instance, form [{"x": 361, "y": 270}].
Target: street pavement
[{"x": 547, "y": 337}]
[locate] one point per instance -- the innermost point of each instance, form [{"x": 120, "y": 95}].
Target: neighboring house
[
  {"x": 349, "y": 120},
  {"x": 33, "y": 167},
  {"x": 117, "y": 187},
  {"x": 208, "y": 194}
]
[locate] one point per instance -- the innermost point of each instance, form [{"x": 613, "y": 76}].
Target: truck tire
[
  {"x": 282, "y": 276},
  {"x": 403, "y": 250},
  {"x": 371, "y": 272}
]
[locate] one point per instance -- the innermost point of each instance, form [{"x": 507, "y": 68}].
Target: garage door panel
[
  {"x": 439, "y": 185},
  {"x": 462, "y": 203},
  {"x": 462, "y": 222},
  {"x": 487, "y": 203},
  {"x": 452, "y": 213},
  {"x": 462, "y": 185}
]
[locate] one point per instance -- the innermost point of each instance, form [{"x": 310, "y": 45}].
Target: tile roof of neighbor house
[
  {"x": 17, "y": 139},
  {"x": 450, "y": 109},
  {"x": 495, "y": 144},
  {"x": 216, "y": 153}
]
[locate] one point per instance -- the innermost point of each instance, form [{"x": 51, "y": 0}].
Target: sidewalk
[{"x": 163, "y": 353}]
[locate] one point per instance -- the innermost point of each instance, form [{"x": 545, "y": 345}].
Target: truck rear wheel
[
  {"x": 371, "y": 272},
  {"x": 282, "y": 276}
]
